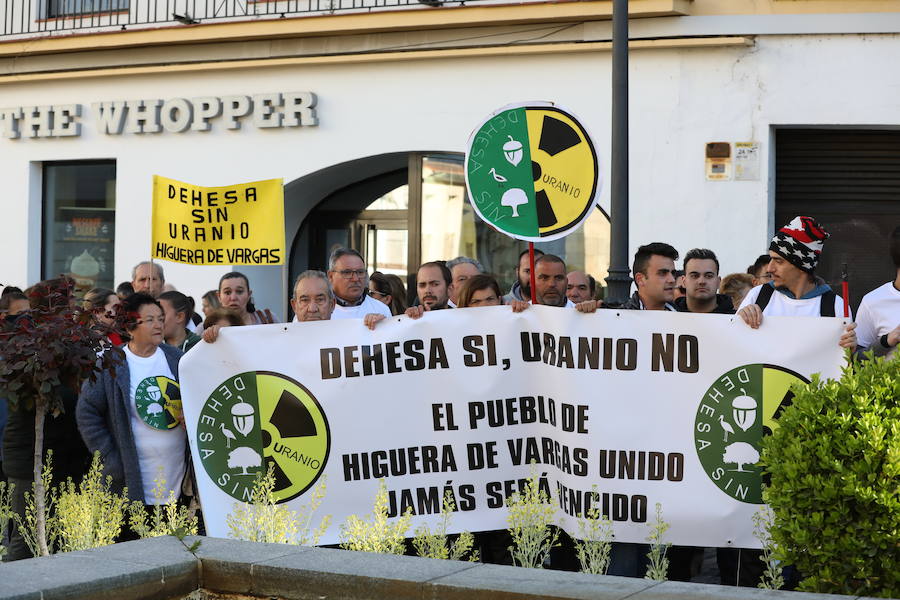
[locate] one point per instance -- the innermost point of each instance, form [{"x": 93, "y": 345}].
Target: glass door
[{"x": 386, "y": 247}]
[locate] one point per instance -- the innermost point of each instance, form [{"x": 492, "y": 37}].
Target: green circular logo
[
  {"x": 257, "y": 419},
  {"x": 737, "y": 410},
  {"x": 532, "y": 171},
  {"x": 157, "y": 401}
]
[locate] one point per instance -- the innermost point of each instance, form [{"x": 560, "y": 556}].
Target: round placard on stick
[{"x": 532, "y": 171}]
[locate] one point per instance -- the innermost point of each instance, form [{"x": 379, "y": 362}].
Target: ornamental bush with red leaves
[{"x": 54, "y": 345}]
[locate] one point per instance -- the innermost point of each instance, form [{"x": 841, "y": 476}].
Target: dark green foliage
[
  {"x": 53, "y": 345},
  {"x": 834, "y": 462}
]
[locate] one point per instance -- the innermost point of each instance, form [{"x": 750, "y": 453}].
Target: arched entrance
[{"x": 402, "y": 209}]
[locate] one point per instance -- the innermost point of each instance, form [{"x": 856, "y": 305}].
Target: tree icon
[
  {"x": 243, "y": 458},
  {"x": 740, "y": 453},
  {"x": 514, "y": 198}
]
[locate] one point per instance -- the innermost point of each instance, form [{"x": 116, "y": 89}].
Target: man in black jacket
[
  {"x": 701, "y": 281},
  {"x": 654, "y": 277}
]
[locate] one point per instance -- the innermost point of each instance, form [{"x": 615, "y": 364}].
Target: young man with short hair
[
  {"x": 653, "y": 270},
  {"x": 654, "y": 276},
  {"x": 432, "y": 287},
  {"x": 701, "y": 282},
  {"x": 433, "y": 281},
  {"x": 521, "y": 289},
  {"x": 758, "y": 270}
]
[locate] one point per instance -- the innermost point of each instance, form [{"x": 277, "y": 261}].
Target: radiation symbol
[
  {"x": 736, "y": 412},
  {"x": 777, "y": 394},
  {"x": 532, "y": 172},
  {"x": 157, "y": 401},
  {"x": 260, "y": 420}
]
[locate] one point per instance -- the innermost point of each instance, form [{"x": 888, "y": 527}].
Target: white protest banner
[{"x": 642, "y": 407}]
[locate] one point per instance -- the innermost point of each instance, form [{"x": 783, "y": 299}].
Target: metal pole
[{"x": 619, "y": 279}]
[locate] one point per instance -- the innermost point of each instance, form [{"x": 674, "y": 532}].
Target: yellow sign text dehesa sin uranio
[{"x": 241, "y": 224}]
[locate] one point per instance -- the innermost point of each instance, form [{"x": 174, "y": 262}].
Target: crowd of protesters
[{"x": 107, "y": 416}]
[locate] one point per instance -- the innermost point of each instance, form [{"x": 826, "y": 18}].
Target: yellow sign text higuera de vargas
[{"x": 241, "y": 224}]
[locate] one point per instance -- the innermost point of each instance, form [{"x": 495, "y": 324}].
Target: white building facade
[{"x": 738, "y": 121}]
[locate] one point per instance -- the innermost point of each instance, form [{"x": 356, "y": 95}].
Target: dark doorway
[{"x": 848, "y": 180}]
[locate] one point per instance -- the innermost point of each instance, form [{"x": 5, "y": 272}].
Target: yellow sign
[
  {"x": 241, "y": 224},
  {"x": 565, "y": 170}
]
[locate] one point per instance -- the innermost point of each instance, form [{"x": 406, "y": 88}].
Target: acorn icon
[
  {"x": 242, "y": 417},
  {"x": 744, "y": 410},
  {"x": 512, "y": 150}
]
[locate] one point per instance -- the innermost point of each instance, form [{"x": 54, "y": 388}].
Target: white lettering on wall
[
  {"x": 110, "y": 117},
  {"x": 150, "y": 116}
]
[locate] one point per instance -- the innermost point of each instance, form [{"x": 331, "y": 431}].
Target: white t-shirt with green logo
[{"x": 160, "y": 446}]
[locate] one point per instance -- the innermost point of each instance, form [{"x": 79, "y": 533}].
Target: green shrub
[
  {"x": 40, "y": 506},
  {"x": 263, "y": 519},
  {"x": 5, "y": 511},
  {"x": 658, "y": 562},
  {"x": 594, "y": 548},
  {"x": 437, "y": 544},
  {"x": 375, "y": 532},
  {"x": 530, "y": 520},
  {"x": 167, "y": 517},
  {"x": 772, "y": 577},
  {"x": 89, "y": 515},
  {"x": 834, "y": 461}
]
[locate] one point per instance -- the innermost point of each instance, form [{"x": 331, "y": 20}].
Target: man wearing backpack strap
[{"x": 795, "y": 291}]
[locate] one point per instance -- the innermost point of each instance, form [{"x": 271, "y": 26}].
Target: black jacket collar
[{"x": 723, "y": 305}]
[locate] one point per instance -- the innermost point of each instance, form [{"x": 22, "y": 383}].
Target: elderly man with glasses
[{"x": 350, "y": 281}]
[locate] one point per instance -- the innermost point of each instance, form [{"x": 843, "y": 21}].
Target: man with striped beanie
[{"x": 795, "y": 290}]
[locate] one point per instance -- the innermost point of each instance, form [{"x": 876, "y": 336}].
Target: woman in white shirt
[{"x": 132, "y": 415}]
